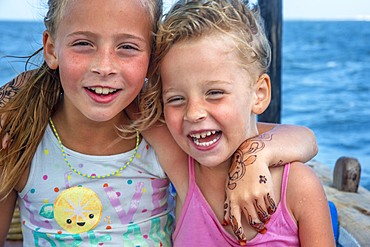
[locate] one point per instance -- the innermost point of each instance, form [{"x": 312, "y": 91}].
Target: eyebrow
[{"x": 117, "y": 36}]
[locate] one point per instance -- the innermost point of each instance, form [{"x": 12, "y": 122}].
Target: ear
[
  {"x": 262, "y": 90},
  {"x": 50, "y": 55}
]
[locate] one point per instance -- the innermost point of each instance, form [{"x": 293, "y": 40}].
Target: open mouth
[
  {"x": 102, "y": 90},
  {"x": 206, "y": 138}
]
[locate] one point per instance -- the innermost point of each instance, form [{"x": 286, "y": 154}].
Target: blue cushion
[{"x": 334, "y": 220}]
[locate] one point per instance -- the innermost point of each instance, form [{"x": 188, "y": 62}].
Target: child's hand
[{"x": 249, "y": 190}]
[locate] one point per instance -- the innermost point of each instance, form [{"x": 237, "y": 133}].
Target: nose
[
  {"x": 195, "y": 112},
  {"x": 104, "y": 64}
]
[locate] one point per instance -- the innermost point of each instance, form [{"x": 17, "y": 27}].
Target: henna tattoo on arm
[
  {"x": 7, "y": 92},
  {"x": 280, "y": 163}
]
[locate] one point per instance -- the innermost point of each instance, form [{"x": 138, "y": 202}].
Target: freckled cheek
[
  {"x": 136, "y": 73},
  {"x": 73, "y": 66},
  {"x": 174, "y": 122}
]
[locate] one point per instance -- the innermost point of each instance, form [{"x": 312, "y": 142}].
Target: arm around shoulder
[
  {"x": 309, "y": 206},
  {"x": 286, "y": 143},
  {"x": 172, "y": 158},
  {"x": 8, "y": 90}
]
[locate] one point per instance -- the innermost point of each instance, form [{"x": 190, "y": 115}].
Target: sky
[{"x": 292, "y": 9}]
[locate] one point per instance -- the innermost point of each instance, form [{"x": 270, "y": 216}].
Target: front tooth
[
  {"x": 197, "y": 136},
  {"x": 105, "y": 90},
  {"x": 204, "y": 135},
  {"x": 98, "y": 90}
]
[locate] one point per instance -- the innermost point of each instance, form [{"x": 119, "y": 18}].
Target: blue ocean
[{"x": 325, "y": 81}]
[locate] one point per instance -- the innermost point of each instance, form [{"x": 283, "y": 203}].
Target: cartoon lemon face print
[{"x": 77, "y": 209}]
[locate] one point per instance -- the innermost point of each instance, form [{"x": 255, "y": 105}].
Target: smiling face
[
  {"x": 77, "y": 209},
  {"x": 208, "y": 98},
  {"x": 102, "y": 50}
]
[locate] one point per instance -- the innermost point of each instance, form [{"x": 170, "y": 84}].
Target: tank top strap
[
  {"x": 191, "y": 173},
  {"x": 284, "y": 184}
]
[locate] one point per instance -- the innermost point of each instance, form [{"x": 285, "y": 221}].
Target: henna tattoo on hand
[
  {"x": 244, "y": 158},
  {"x": 238, "y": 231},
  {"x": 258, "y": 226},
  {"x": 263, "y": 179},
  {"x": 272, "y": 207},
  {"x": 237, "y": 169},
  {"x": 262, "y": 214}
]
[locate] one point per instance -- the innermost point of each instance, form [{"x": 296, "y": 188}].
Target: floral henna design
[
  {"x": 263, "y": 179},
  {"x": 7, "y": 92},
  {"x": 226, "y": 207},
  {"x": 258, "y": 226},
  {"x": 237, "y": 230},
  {"x": 245, "y": 156},
  {"x": 237, "y": 169},
  {"x": 272, "y": 208},
  {"x": 262, "y": 214}
]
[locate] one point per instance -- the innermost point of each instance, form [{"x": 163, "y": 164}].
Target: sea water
[{"x": 325, "y": 81}]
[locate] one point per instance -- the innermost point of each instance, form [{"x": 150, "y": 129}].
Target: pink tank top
[{"x": 199, "y": 226}]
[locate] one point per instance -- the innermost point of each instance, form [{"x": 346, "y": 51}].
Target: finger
[
  {"x": 226, "y": 213},
  {"x": 270, "y": 203},
  {"x": 262, "y": 211},
  {"x": 235, "y": 220},
  {"x": 253, "y": 219}
]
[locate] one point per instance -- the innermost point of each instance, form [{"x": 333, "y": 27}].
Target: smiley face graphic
[{"x": 77, "y": 210}]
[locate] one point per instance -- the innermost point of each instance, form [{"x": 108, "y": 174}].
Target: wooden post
[
  {"x": 271, "y": 12},
  {"x": 347, "y": 173}
]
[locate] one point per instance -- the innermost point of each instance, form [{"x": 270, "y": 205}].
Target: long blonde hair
[
  {"x": 25, "y": 117},
  {"x": 191, "y": 19}
]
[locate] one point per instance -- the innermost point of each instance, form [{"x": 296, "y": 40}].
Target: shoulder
[
  {"x": 302, "y": 180},
  {"x": 304, "y": 191}
]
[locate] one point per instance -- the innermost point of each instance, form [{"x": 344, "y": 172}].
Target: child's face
[
  {"x": 102, "y": 50},
  {"x": 208, "y": 98}
]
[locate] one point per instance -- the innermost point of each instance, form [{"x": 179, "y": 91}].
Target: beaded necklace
[{"x": 94, "y": 176}]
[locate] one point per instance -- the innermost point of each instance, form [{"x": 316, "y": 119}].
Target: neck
[{"x": 89, "y": 137}]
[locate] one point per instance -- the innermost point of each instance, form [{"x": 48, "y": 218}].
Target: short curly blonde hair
[{"x": 191, "y": 19}]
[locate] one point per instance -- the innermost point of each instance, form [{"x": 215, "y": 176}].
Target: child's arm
[
  {"x": 277, "y": 145},
  {"x": 8, "y": 91},
  {"x": 172, "y": 158},
  {"x": 6, "y": 209},
  {"x": 309, "y": 206}
]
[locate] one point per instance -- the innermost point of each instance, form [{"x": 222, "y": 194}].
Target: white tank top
[{"x": 61, "y": 208}]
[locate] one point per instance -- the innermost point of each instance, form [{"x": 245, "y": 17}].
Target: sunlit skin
[
  {"x": 211, "y": 110},
  {"x": 95, "y": 54},
  {"x": 210, "y": 104},
  {"x": 208, "y": 99}
]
